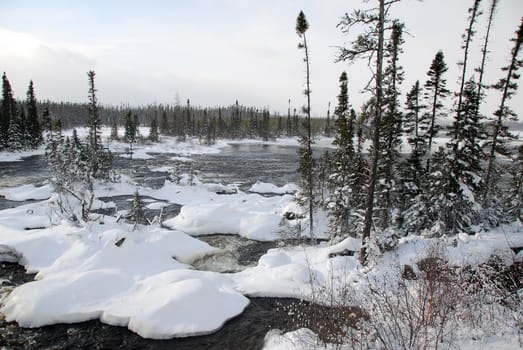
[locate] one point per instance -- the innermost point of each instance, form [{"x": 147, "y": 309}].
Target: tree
[
  {"x": 114, "y": 130},
  {"x": 7, "y": 111},
  {"x": 435, "y": 91},
  {"x": 34, "y": 130},
  {"x": 474, "y": 13},
  {"x": 130, "y": 131},
  {"x": 508, "y": 87},
  {"x": 137, "y": 212},
  {"x": 415, "y": 125},
  {"x": 306, "y": 167},
  {"x": 340, "y": 200},
  {"x": 459, "y": 170},
  {"x": 164, "y": 124},
  {"x": 153, "y": 131},
  {"x": 390, "y": 127},
  {"x": 484, "y": 51},
  {"x": 370, "y": 44}
]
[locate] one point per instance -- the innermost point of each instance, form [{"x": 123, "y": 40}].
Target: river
[{"x": 239, "y": 164}]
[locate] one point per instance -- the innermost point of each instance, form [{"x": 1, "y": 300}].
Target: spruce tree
[
  {"x": 414, "y": 177},
  {"x": 153, "y": 131},
  {"x": 499, "y": 132},
  {"x": 390, "y": 128},
  {"x": 370, "y": 45},
  {"x": 484, "y": 52},
  {"x": 340, "y": 201},
  {"x": 435, "y": 92},
  {"x": 474, "y": 13},
  {"x": 137, "y": 212},
  {"x": 34, "y": 130},
  {"x": 462, "y": 166},
  {"x": 7, "y": 111},
  {"x": 16, "y": 132},
  {"x": 164, "y": 124},
  {"x": 415, "y": 125},
  {"x": 306, "y": 167}
]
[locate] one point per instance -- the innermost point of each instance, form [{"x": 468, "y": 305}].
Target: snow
[
  {"x": 268, "y": 188},
  {"x": 20, "y": 155},
  {"x": 26, "y": 192},
  {"x": 144, "y": 279}
]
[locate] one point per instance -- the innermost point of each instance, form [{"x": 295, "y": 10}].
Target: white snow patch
[
  {"x": 26, "y": 192},
  {"x": 263, "y": 187}
]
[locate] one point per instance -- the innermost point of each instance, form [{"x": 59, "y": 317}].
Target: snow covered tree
[
  {"x": 164, "y": 124},
  {"x": 306, "y": 167},
  {"x": 153, "y": 131},
  {"x": 415, "y": 125},
  {"x": 137, "y": 212},
  {"x": 100, "y": 159},
  {"x": 484, "y": 52},
  {"x": 34, "y": 130},
  {"x": 456, "y": 181},
  {"x": 499, "y": 134},
  {"x": 370, "y": 44},
  {"x": 114, "y": 131},
  {"x": 474, "y": 13},
  {"x": 390, "y": 129},
  {"x": 7, "y": 111},
  {"x": 339, "y": 203},
  {"x": 435, "y": 92},
  {"x": 16, "y": 132}
]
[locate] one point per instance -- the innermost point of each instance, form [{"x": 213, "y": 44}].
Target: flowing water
[{"x": 237, "y": 164}]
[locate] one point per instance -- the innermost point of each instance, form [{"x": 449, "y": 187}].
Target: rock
[
  {"x": 119, "y": 242},
  {"x": 408, "y": 273},
  {"x": 344, "y": 252}
]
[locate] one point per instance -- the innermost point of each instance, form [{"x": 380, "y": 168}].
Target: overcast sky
[{"x": 216, "y": 51}]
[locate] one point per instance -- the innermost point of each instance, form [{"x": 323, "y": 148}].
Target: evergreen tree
[
  {"x": 415, "y": 125},
  {"x": 370, "y": 44},
  {"x": 474, "y": 13},
  {"x": 153, "y": 132},
  {"x": 340, "y": 200},
  {"x": 306, "y": 167},
  {"x": 484, "y": 51},
  {"x": 16, "y": 133},
  {"x": 7, "y": 111},
  {"x": 114, "y": 130},
  {"x": 327, "y": 130},
  {"x": 435, "y": 91},
  {"x": 459, "y": 173},
  {"x": 137, "y": 212},
  {"x": 34, "y": 130},
  {"x": 499, "y": 132},
  {"x": 164, "y": 124},
  {"x": 413, "y": 200},
  {"x": 390, "y": 128}
]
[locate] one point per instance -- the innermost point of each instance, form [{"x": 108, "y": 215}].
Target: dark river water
[{"x": 237, "y": 164}]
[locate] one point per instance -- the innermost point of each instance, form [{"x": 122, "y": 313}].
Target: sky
[{"x": 215, "y": 52}]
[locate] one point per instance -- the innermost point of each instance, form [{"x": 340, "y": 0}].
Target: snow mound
[
  {"x": 139, "y": 279},
  {"x": 268, "y": 188},
  {"x": 26, "y": 192}
]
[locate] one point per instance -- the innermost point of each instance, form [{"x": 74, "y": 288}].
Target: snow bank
[
  {"x": 20, "y": 155},
  {"x": 292, "y": 271},
  {"x": 268, "y": 188},
  {"x": 249, "y": 215},
  {"x": 139, "y": 279},
  {"x": 26, "y": 192}
]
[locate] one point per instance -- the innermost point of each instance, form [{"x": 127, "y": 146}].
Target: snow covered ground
[{"x": 143, "y": 279}]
